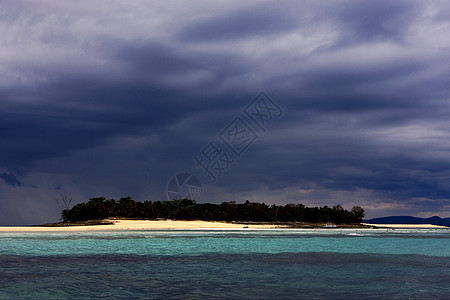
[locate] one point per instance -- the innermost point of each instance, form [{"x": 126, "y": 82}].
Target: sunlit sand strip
[
  {"x": 407, "y": 226},
  {"x": 184, "y": 225},
  {"x": 143, "y": 225}
]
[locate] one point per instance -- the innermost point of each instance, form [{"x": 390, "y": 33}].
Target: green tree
[{"x": 358, "y": 214}]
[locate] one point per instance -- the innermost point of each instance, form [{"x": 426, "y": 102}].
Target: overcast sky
[{"x": 113, "y": 98}]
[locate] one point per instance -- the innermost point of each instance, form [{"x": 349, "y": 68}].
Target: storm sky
[{"x": 113, "y": 98}]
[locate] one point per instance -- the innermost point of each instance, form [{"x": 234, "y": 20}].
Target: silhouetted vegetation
[{"x": 101, "y": 208}]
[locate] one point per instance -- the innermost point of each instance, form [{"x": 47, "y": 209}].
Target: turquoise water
[{"x": 264, "y": 264}]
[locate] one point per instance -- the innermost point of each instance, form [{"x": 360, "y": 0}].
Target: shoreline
[
  {"x": 407, "y": 226},
  {"x": 124, "y": 224}
]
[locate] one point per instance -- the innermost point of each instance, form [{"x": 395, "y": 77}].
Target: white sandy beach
[
  {"x": 179, "y": 225},
  {"x": 142, "y": 225}
]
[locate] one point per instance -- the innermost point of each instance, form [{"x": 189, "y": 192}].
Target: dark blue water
[{"x": 226, "y": 265}]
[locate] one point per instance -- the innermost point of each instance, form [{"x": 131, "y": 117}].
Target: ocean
[{"x": 226, "y": 264}]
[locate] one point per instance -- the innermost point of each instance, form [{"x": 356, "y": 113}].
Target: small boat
[{"x": 329, "y": 226}]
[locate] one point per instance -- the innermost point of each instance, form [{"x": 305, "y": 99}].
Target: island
[{"x": 100, "y": 213}]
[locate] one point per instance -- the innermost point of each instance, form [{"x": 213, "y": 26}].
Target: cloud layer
[{"x": 113, "y": 98}]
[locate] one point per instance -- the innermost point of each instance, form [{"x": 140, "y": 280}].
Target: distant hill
[{"x": 410, "y": 220}]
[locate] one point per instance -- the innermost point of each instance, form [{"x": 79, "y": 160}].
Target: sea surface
[{"x": 226, "y": 264}]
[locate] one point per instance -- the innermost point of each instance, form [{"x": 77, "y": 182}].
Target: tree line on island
[{"x": 185, "y": 209}]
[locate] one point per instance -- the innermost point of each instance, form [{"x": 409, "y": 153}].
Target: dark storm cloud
[
  {"x": 96, "y": 100},
  {"x": 10, "y": 179},
  {"x": 92, "y": 113},
  {"x": 172, "y": 67},
  {"x": 252, "y": 21},
  {"x": 370, "y": 21}
]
